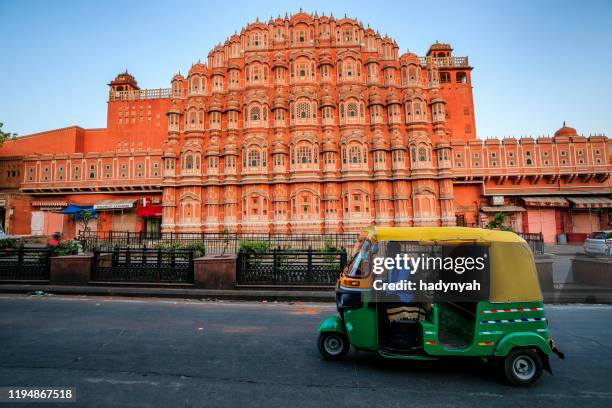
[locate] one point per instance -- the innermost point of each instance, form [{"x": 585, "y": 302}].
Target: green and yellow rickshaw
[{"x": 493, "y": 310}]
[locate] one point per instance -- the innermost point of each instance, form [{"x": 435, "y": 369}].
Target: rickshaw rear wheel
[
  {"x": 522, "y": 367},
  {"x": 333, "y": 345}
]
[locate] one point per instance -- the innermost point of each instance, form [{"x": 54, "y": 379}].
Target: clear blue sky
[{"x": 536, "y": 63}]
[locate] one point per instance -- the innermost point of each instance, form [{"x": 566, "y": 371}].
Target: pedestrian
[{"x": 55, "y": 239}]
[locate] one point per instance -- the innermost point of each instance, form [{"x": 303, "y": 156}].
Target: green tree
[
  {"x": 82, "y": 218},
  {"x": 4, "y": 136},
  {"x": 498, "y": 222}
]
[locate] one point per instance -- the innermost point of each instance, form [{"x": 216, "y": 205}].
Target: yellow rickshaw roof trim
[{"x": 441, "y": 234}]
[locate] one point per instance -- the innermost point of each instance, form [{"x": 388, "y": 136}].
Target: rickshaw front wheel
[
  {"x": 522, "y": 367},
  {"x": 333, "y": 345}
]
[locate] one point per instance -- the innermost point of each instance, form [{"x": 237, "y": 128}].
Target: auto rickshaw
[{"x": 502, "y": 321}]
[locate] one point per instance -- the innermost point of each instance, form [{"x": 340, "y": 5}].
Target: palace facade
[{"x": 303, "y": 124}]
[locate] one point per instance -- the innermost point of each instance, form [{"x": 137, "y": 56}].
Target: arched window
[
  {"x": 422, "y": 154},
  {"x": 189, "y": 162},
  {"x": 303, "y": 110},
  {"x": 255, "y": 113},
  {"x": 255, "y": 74},
  {"x": 355, "y": 154},
  {"x": 304, "y": 154},
  {"x": 412, "y": 74},
  {"x": 417, "y": 110},
  {"x": 351, "y": 110},
  {"x": 254, "y": 158}
]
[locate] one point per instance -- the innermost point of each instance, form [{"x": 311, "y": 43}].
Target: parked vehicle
[
  {"x": 3, "y": 234},
  {"x": 599, "y": 243},
  {"x": 503, "y": 324}
]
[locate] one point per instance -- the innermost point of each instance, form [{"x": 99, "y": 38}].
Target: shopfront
[
  {"x": 150, "y": 211},
  {"x": 573, "y": 217},
  {"x": 47, "y": 218},
  {"x": 116, "y": 215},
  {"x": 587, "y": 214},
  {"x": 544, "y": 215}
]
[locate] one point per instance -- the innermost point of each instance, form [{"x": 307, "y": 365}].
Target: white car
[{"x": 599, "y": 243}]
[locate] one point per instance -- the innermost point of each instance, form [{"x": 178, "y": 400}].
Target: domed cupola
[
  {"x": 566, "y": 131},
  {"x": 327, "y": 100},
  {"x": 232, "y": 103},
  {"x": 197, "y": 68},
  {"x": 280, "y": 102},
  {"x": 278, "y": 145},
  {"x": 375, "y": 99},
  {"x": 392, "y": 98},
  {"x": 215, "y": 106}
]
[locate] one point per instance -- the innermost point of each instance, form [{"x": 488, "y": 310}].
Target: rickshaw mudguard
[
  {"x": 521, "y": 340},
  {"x": 332, "y": 324}
]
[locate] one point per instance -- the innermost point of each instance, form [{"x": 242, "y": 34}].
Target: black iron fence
[
  {"x": 24, "y": 264},
  {"x": 142, "y": 265},
  {"x": 290, "y": 268},
  {"x": 535, "y": 241},
  {"x": 215, "y": 243}
]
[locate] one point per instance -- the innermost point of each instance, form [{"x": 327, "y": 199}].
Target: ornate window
[
  {"x": 398, "y": 156},
  {"x": 279, "y": 160},
  {"x": 351, "y": 110},
  {"x": 304, "y": 154},
  {"x": 254, "y": 158},
  {"x": 423, "y": 154},
  {"x": 188, "y": 162},
  {"x": 255, "y": 113},
  {"x": 355, "y": 154},
  {"x": 303, "y": 110}
]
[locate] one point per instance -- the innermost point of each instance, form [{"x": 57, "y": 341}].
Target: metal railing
[
  {"x": 215, "y": 243},
  {"x": 21, "y": 263},
  {"x": 445, "y": 61},
  {"x": 139, "y": 94},
  {"x": 535, "y": 241},
  {"x": 290, "y": 268},
  {"x": 143, "y": 265}
]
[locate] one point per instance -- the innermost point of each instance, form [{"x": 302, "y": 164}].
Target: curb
[
  {"x": 328, "y": 296},
  {"x": 154, "y": 292}
]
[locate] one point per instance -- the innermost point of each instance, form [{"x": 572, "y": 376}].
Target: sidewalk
[
  {"x": 563, "y": 294},
  {"x": 565, "y": 249}
]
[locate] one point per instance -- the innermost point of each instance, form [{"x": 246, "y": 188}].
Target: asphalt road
[{"x": 133, "y": 353}]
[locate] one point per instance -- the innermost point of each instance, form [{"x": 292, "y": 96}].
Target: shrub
[
  {"x": 254, "y": 247},
  {"x": 197, "y": 247},
  {"x": 332, "y": 259},
  {"x": 10, "y": 243},
  {"x": 64, "y": 248}
]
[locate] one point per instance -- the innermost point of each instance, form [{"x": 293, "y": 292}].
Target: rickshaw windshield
[{"x": 359, "y": 267}]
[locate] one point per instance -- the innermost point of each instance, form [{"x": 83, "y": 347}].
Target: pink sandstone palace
[{"x": 305, "y": 124}]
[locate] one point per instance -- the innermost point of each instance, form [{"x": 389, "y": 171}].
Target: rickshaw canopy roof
[
  {"x": 513, "y": 274},
  {"x": 443, "y": 234}
]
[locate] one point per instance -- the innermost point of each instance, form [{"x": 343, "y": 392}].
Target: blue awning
[{"x": 76, "y": 209}]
